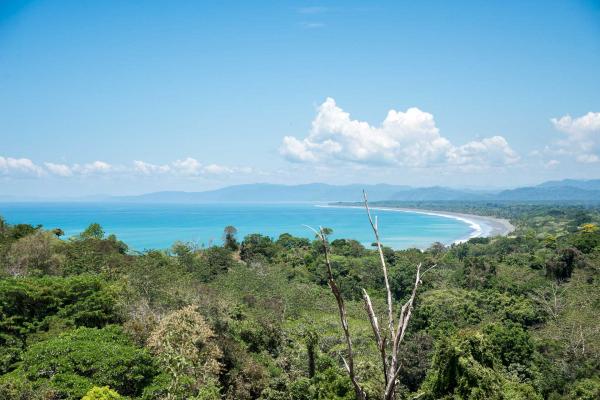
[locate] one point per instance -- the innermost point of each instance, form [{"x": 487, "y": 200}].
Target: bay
[{"x": 158, "y": 226}]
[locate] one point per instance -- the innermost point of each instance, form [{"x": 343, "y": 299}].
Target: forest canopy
[{"x": 497, "y": 318}]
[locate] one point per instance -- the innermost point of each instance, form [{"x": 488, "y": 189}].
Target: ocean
[{"x": 158, "y": 226}]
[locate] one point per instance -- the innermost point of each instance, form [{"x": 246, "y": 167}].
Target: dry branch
[{"x": 390, "y": 365}]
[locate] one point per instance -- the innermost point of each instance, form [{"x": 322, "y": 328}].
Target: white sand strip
[{"x": 481, "y": 226}]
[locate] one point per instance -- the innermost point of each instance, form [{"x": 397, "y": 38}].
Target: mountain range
[{"x": 568, "y": 190}]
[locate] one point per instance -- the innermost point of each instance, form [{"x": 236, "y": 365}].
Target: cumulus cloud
[
  {"x": 96, "y": 167},
  {"x": 408, "y": 138},
  {"x": 64, "y": 170},
  {"x": 59, "y": 169},
  {"x": 149, "y": 169},
  {"x": 187, "y": 167},
  {"x": 582, "y": 136},
  {"x": 491, "y": 151},
  {"x": 19, "y": 166},
  {"x": 217, "y": 169}
]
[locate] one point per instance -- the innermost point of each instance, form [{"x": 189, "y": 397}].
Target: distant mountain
[
  {"x": 593, "y": 184},
  {"x": 550, "y": 193},
  {"x": 438, "y": 193},
  {"x": 266, "y": 192},
  {"x": 568, "y": 190}
]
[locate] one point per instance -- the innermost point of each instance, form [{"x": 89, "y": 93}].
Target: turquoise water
[{"x": 148, "y": 226}]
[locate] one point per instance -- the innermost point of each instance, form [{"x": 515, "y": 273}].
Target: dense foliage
[{"x": 498, "y": 318}]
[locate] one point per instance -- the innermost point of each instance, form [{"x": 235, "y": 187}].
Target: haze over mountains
[
  {"x": 568, "y": 190},
  {"x": 565, "y": 190}
]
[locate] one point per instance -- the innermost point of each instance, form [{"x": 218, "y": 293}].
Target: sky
[{"x": 127, "y": 97}]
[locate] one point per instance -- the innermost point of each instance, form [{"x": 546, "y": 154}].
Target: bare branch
[
  {"x": 391, "y": 367},
  {"x": 384, "y": 268},
  {"x": 391, "y": 385},
  {"x": 377, "y": 332}
]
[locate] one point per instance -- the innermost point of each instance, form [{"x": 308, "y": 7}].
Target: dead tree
[{"x": 388, "y": 340}]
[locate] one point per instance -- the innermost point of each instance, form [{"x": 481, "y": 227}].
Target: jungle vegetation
[{"x": 497, "y": 318}]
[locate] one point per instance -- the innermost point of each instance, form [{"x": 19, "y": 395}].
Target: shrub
[
  {"x": 36, "y": 305},
  {"x": 102, "y": 393},
  {"x": 74, "y": 362},
  {"x": 256, "y": 247},
  {"x": 466, "y": 366},
  {"x": 186, "y": 347},
  {"x": 586, "y": 389},
  {"x": 32, "y": 255}
]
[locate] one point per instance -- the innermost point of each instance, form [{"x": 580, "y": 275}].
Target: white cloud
[
  {"x": 588, "y": 124},
  {"x": 59, "y": 169},
  {"x": 149, "y": 169},
  {"x": 588, "y": 158},
  {"x": 217, "y": 169},
  {"x": 96, "y": 167},
  {"x": 19, "y": 167},
  {"x": 188, "y": 167},
  {"x": 493, "y": 151},
  {"x": 408, "y": 138},
  {"x": 583, "y": 136}
]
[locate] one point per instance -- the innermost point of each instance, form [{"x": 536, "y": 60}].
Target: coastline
[{"x": 481, "y": 226}]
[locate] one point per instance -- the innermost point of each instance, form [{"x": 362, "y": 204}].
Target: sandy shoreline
[{"x": 481, "y": 226}]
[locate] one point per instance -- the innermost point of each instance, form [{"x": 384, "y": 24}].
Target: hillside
[
  {"x": 562, "y": 191},
  {"x": 266, "y": 192},
  {"x": 256, "y": 318}
]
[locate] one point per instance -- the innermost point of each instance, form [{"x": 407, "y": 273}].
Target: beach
[{"x": 481, "y": 226}]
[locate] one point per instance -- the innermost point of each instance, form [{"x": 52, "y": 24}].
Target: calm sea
[{"x": 149, "y": 226}]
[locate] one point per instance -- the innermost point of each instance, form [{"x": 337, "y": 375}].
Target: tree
[
  {"x": 93, "y": 231},
  {"x": 215, "y": 261},
  {"x": 187, "y": 348},
  {"x": 463, "y": 367},
  {"x": 477, "y": 272},
  {"x": 469, "y": 365},
  {"x": 75, "y": 361},
  {"x": 21, "y": 230},
  {"x": 3, "y": 226},
  {"x": 585, "y": 389},
  {"x": 256, "y": 246},
  {"x": 587, "y": 238},
  {"x": 34, "y": 308},
  {"x": 389, "y": 348},
  {"x": 562, "y": 264},
  {"x": 346, "y": 247},
  {"x": 289, "y": 242},
  {"x": 58, "y": 232},
  {"x": 229, "y": 240},
  {"x": 91, "y": 252},
  {"x": 311, "y": 337},
  {"x": 589, "y": 228},
  {"x": 32, "y": 254}
]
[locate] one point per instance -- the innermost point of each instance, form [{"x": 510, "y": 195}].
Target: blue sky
[{"x": 128, "y": 97}]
